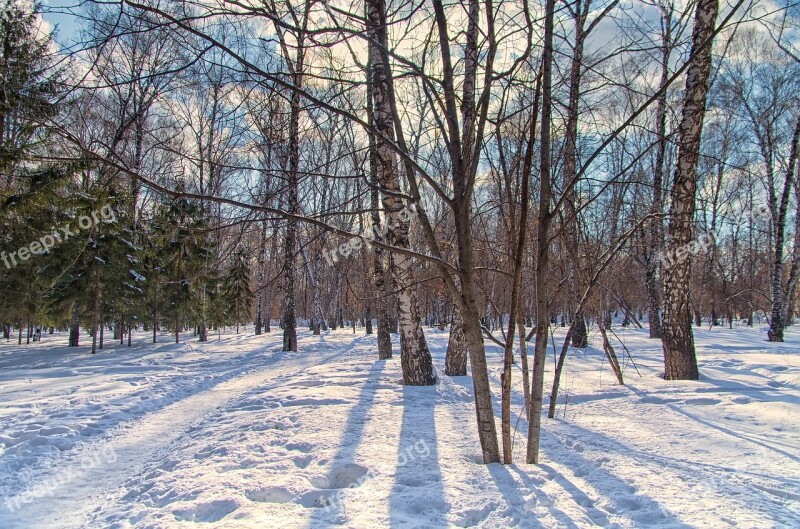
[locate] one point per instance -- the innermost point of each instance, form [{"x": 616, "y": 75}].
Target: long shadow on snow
[
  {"x": 417, "y": 497},
  {"x": 590, "y": 471},
  {"x": 609, "y": 445},
  {"x": 507, "y": 484},
  {"x": 333, "y": 512},
  {"x": 623, "y": 497},
  {"x": 184, "y": 390}
]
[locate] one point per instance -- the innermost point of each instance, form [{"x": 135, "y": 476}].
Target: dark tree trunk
[
  {"x": 542, "y": 242},
  {"x": 75, "y": 326},
  {"x": 656, "y": 232},
  {"x": 777, "y": 322},
  {"x": 580, "y": 334},
  {"x": 290, "y": 244},
  {"x": 455, "y": 361},
  {"x": 262, "y": 251}
]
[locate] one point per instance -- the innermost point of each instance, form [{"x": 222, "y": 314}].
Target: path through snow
[{"x": 244, "y": 436}]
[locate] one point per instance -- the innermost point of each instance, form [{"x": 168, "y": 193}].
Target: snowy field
[{"x": 234, "y": 433}]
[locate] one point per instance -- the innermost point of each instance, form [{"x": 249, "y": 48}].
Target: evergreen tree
[
  {"x": 90, "y": 271},
  {"x": 237, "y": 293},
  {"x": 29, "y": 87},
  {"x": 29, "y": 84},
  {"x": 183, "y": 250}
]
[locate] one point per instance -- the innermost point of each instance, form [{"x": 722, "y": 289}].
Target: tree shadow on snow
[
  {"x": 519, "y": 508},
  {"x": 623, "y": 499},
  {"x": 417, "y": 497},
  {"x": 344, "y": 473}
]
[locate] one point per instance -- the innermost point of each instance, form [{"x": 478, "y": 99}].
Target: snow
[{"x": 235, "y": 433}]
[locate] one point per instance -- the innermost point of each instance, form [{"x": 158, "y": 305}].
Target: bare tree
[{"x": 680, "y": 362}]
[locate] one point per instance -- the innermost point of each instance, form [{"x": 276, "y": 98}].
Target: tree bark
[
  {"x": 542, "y": 242},
  {"x": 262, "y": 251},
  {"x": 74, "y": 325},
  {"x": 777, "y": 321},
  {"x": 455, "y": 360},
  {"x": 656, "y": 231},
  {"x": 611, "y": 355},
  {"x": 680, "y": 361},
  {"x": 296, "y": 67},
  {"x": 377, "y": 274},
  {"x": 794, "y": 271},
  {"x": 416, "y": 361},
  {"x": 580, "y": 336}
]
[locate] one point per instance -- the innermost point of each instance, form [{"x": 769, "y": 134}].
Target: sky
[{"x": 56, "y": 13}]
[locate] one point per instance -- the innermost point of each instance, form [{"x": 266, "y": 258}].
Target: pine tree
[
  {"x": 29, "y": 84},
  {"x": 183, "y": 250},
  {"x": 237, "y": 292},
  {"x": 88, "y": 269}
]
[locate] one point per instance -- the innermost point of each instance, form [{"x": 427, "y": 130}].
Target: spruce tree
[
  {"x": 237, "y": 293},
  {"x": 183, "y": 250},
  {"x": 29, "y": 85}
]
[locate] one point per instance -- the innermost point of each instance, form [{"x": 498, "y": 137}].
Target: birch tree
[{"x": 680, "y": 361}]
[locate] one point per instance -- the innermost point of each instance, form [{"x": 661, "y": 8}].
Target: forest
[{"x": 505, "y": 170}]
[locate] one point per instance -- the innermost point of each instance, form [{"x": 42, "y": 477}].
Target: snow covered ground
[{"x": 234, "y": 433}]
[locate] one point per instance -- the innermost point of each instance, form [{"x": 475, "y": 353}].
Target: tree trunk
[
  {"x": 416, "y": 361},
  {"x": 95, "y": 316},
  {"x": 794, "y": 271},
  {"x": 580, "y": 334},
  {"x": 519, "y": 238},
  {"x": 384, "y": 331},
  {"x": 542, "y": 242},
  {"x": 523, "y": 355},
  {"x": 571, "y": 237},
  {"x": 656, "y": 232},
  {"x": 777, "y": 319},
  {"x": 377, "y": 274},
  {"x": 484, "y": 412},
  {"x": 262, "y": 252},
  {"x": 455, "y": 361},
  {"x": 74, "y": 325},
  {"x": 611, "y": 355},
  {"x": 415, "y": 358},
  {"x": 680, "y": 362},
  {"x": 268, "y": 291},
  {"x": 293, "y": 185}
]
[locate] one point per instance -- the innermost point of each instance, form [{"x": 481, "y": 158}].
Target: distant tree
[
  {"x": 182, "y": 251},
  {"x": 237, "y": 293}
]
